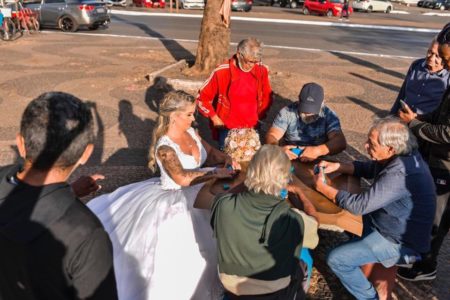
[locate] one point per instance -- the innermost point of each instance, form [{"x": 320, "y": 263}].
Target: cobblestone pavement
[{"x": 111, "y": 74}]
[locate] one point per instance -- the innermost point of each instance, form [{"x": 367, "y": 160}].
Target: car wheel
[
  {"x": 248, "y": 9},
  {"x": 293, "y": 4},
  {"x": 369, "y": 9},
  {"x": 329, "y": 13},
  {"x": 67, "y": 24},
  {"x": 305, "y": 11},
  {"x": 388, "y": 9},
  {"x": 282, "y": 4}
]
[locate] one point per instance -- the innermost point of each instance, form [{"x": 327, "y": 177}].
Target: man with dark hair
[
  {"x": 434, "y": 130},
  {"x": 51, "y": 245},
  {"x": 307, "y": 124}
]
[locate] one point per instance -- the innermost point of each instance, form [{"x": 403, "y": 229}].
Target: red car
[
  {"x": 150, "y": 3},
  {"x": 325, "y": 7}
]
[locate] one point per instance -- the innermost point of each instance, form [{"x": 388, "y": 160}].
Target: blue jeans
[{"x": 345, "y": 261}]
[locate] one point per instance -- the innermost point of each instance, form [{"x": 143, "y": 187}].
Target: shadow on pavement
[
  {"x": 378, "y": 112},
  {"x": 385, "y": 85},
  {"x": 173, "y": 47},
  {"x": 368, "y": 64}
]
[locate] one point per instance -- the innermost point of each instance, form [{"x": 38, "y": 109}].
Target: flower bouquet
[{"x": 241, "y": 144}]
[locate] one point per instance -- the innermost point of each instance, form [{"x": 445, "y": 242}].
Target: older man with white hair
[
  {"x": 238, "y": 92},
  {"x": 397, "y": 209}
]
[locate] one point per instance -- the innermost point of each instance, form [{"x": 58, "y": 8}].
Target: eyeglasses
[{"x": 249, "y": 61}]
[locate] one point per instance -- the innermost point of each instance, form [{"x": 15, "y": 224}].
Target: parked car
[
  {"x": 123, "y": 3},
  {"x": 287, "y": 3},
  {"x": 150, "y": 3},
  {"x": 324, "y": 7},
  {"x": 420, "y": 3},
  {"x": 189, "y": 4},
  {"x": 241, "y": 5},
  {"x": 373, "y": 5},
  {"x": 447, "y": 5},
  {"x": 438, "y": 4},
  {"x": 428, "y": 3},
  {"x": 69, "y": 15}
]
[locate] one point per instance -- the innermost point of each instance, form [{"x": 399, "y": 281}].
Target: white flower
[
  {"x": 249, "y": 153},
  {"x": 233, "y": 144},
  {"x": 252, "y": 143}
]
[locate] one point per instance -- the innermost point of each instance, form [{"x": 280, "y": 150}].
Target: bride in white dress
[{"x": 163, "y": 247}]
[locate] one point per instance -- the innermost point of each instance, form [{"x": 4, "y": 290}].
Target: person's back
[
  {"x": 259, "y": 235},
  {"x": 51, "y": 245},
  {"x": 54, "y": 237}
]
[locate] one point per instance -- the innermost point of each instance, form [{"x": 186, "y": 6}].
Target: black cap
[{"x": 310, "y": 98}]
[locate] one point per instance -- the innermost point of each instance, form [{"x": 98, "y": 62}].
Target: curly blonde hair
[{"x": 173, "y": 101}]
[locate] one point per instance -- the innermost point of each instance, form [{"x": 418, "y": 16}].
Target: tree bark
[{"x": 214, "y": 40}]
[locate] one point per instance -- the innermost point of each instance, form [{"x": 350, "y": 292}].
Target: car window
[
  {"x": 54, "y": 1},
  {"x": 336, "y": 1}
]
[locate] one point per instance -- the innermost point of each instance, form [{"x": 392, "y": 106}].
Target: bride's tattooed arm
[{"x": 183, "y": 177}]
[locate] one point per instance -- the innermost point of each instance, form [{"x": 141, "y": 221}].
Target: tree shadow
[
  {"x": 378, "y": 112},
  {"x": 385, "y": 85},
  {"x": 177, "y": 51},
  {"x": 368, "y": 64}
]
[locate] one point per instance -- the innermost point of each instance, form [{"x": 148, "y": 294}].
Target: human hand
[
  {"x": 223, "y": 173},
  {"x": 86, "y": 185},
  {"x": 310, "y": 153},
  {"x": 229, "y": 162},
  {"x": 217, "y": 122},
  {"x": 318, "y": 181},
  {"x": 288, "y": 150},
  {"x": 329, "y": 167},
  {"x": 406, "y": 114}
]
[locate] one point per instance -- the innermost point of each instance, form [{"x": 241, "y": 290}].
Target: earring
[{"x": 283, "y": 193}]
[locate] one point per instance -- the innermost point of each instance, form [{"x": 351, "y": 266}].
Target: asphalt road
[{"x": 372, "y": 41}]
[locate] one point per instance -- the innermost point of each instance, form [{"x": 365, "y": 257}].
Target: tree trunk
[{"x": 214, "y": 40}]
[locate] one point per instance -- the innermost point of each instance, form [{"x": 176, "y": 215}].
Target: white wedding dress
[{"x": 163, "y": 247}]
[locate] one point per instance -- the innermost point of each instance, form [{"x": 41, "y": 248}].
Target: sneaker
[{"x": 416, "y": 274}]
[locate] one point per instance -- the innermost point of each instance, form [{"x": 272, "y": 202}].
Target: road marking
[
  {"x": 436, "y": 14},
  {"x": 235, "y": 44},
  {"x": 282, "y": 21},
  {"x": 399, "y": 12}
]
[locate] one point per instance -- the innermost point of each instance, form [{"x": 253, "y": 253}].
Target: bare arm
[
  {"x": 174, "y": 168},
  {"x": 273, "y": 137},
  {"x": 336, "y": 143},
  {"x": 308, "y": 207}
]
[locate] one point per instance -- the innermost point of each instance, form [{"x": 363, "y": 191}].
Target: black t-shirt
[{"x": 51, "y": 245}]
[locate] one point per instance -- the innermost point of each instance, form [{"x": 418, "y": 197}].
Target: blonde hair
[
  {"x": 173, "y": 101},
  {"x": 269, "y": 171}
]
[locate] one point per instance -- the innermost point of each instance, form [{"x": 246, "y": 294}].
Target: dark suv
[{"x": 287, "y": 3}]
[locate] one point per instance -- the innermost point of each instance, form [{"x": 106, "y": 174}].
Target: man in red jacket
[{"x": 237, "y": 94}]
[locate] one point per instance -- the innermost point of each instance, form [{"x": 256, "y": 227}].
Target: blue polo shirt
[
  {"x": 422, "y": 90},
  {"x": 296, "y": 132}
]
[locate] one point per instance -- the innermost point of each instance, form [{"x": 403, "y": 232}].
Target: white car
[
  {"x": 373, "y": 5},
  {"x": 189, "y": 4}
]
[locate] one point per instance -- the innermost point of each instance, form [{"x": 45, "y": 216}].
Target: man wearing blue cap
[{"x": 307, "y": 125}]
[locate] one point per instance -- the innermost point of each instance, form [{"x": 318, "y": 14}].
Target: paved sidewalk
[{"x": 111, "y": 72}]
